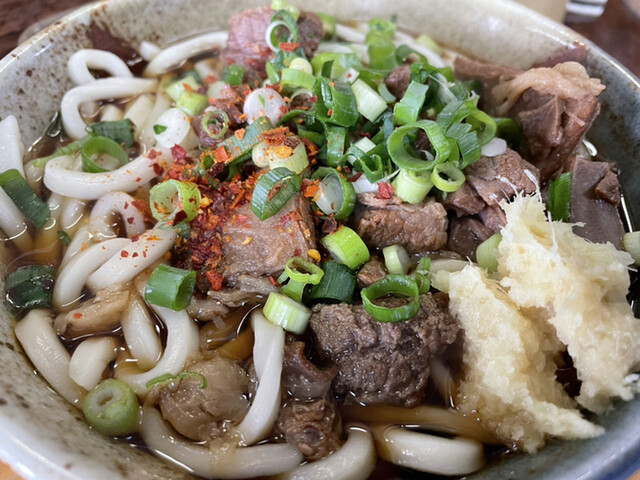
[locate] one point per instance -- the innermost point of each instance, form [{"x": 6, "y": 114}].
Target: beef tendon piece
[
  {"x": 301, "y": 378},
  {"x": 418, "y": 228},
  {"x": 371, "y": 272},
  {"x": 381, "y": 363}
]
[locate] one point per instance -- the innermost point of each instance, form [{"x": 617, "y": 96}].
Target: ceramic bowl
[{"x": 43, "y": 437}]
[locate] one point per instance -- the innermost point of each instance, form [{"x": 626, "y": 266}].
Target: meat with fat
[
  {"x": 465, "y": 234},
  {"x": 378, "y": 362},
  {"x": 371, "y": 272}
]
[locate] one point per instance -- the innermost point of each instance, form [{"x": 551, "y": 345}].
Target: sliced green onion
[
  {"x": 177, "y": 88},
  {"x": 328, "y": 25},
  {"x": 235, "y": 148},
  {"x": 295, "y": 160},
  {"x": 120, "y": 132},
  {"x": 30, "y": 287},
  {"x": 337, "y": 284},
  {"x": 399, "y": 285},
  {"x": 101, "y": 146},
  {"x": 336, "y": 139},
  {"x": 560, "y": 198},
  {"x": 396, "y": 259},
  {"x": 158, "y": 129},
  {"x": 173, "y": 201},
  {"x": 337, "y": 194},
  {"x": 403, "y": 159},
  {"x": 347, "y": 247},
  {"x": 487, "y": 252},
  {"x": 215, "y": 123},
  {"x": 233, "y": 75},
  {"x": 263, "y": 204},
  {"x": 301, "y": 64},
  {"x": 385, "y": 93},
  {"x": 336, "y": 102},
  {"x": 369, "y": 103},
  {"x": 407, "y": 110},
  {"x": 286, "y": 312},
  {"x": 631, "y": 244},
  {"x": 112, "y": 408},
  {"x": 64, "y": 237},
  {"x": 300, "y": 270},
  {"x": 281, "y": 18},
  {"x": 412, "y": 187},
  {"x": 379, "y": 40},
  {"x": 447, "y": 177},
  {"x": 339, "y": 63},
  {"x": 167, "y": 377},
  {"x": 364, "y": 144},
  {"x": 170, "y": 287},
  {"x": 508, "y": 129},
  {"x": 19, "y": 191},
  {"x": 291, "y": 77},
  {"x": 429, "y": 42},
  {"x": 70, "y": 149},
  {"x": 192, "y": 103},
  {"x": 294, "y": 290},
  {"x": 421, "y": 275},
  {"x": 370, "y": 164},
  {"x": 284, "y": 5}
]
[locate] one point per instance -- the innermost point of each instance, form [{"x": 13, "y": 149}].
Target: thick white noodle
[
  {"x": 13, "y": 224},
  {"x": 138, "y": 112},
  {"x": 246, "y": 462},
  {"x": 148, "y": 50},
  {"x": 80, "y": 241},
  {"x": 54, "y": 202},
  {"x": 74, "y": 274},
  {"x": 333, "y": 47},
  {"x": 268, "y": 354},
  {"x": 147, "y": 135},
  {"x": 206, "y": 68},
  {"x": 111, "y": 113},
  {"x": 433, "y": 58},
  {"x": 140, "y": 334},
  {"x": 133, "y": 258},
  {"x": 101, "y": 223},
  {"x": 71, "y": 212},
  {"x": 90, "y": 359},
  {"x": 33, "y": 175},
  {"x": 43, "y": 347},
  {"x": 182, "y": 343},
  {"x": 59, "y": 178},
  {"x": 350, "y": 34},
  {"x": 102, "y": 89},
  {"x": 173, "y": 56},
  {"x": 430, "y": 453},
  {"x": 178, "y": 131},
  {"x": 83, "y": 60},
  {"x": 355, "y": 460},
  {"x": 11, "y": 147}
]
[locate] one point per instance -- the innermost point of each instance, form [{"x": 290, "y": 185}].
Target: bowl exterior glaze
[{"x": 43, "y": 437}]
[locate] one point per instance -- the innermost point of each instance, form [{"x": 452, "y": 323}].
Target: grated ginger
[{"x": 553, "y": 291}]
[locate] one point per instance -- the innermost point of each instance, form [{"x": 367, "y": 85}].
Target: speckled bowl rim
[{"x": 32, "y": 460}]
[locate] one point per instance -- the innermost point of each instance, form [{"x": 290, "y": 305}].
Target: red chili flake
[
  {"x": 239, "y": 133},
  {"x": 135, "y": 254},
  {"x": 273, "y": 281},
  {"x": 124, "y": 254},
  {"x": 330, "y": 225},
  {"x": 297, "y": 252},
  {"x": 240, "y": 219},
  {"x": 330, "y": 112},
  {"x": 77, "y": 315},
  {"x": 355, "y": 177},
  {"x": 288, "y": 47},
  {"x": 178, "y": 153},
  {"x": 138, "y": 180},
  {"x": 215, "y": 279},
  {"x": 221, "y": 154},
  {"x": 157, "y": 169},
  {"x": 130, "y": 220},
  {"x": 385, "y": 191},
  {"x": 153, "y": 154}
]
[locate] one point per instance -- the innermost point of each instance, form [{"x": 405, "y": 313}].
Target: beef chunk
[
  {"x": 465, "y": 234},
  {"x": 301, "y": 378},
  {"x": 263, "y": 247},
  {"x": 418, "y": 228},
  {"x": 501, "y": 177},
  {"x": 313, "y": 427},
  {"x": 602, "y": 222},
  {"x": 489, "y": 74},
  {"x": 608, "y": 189},
  {"x": 381, "y": 363},
  {"x": 493, "y": 218},
  {"x": 204, "y": 413},
  {"x": 398, "y": 81},
  {"x": 244, "y": 290},
  {"x": 371, "y": 272},
  {"x": 464, "y": 201},
  {"x": 247, "y": 46}
]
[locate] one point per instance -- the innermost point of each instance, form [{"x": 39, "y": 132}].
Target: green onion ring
[
  {"x": 395, "y": 285},
  {"x": 300, "y": 270},
  {"x": 455, "y": 177},
  {"x": 348, "y": 192},
  {"x": 403, "y": 159},
  {"x": 264, "y": 206},
  {"x": 101, "y": 145},
  {"x": 170, "y": 287},
  {"x": 209, "y": 119},
  {"x": 174, "y": 201}
]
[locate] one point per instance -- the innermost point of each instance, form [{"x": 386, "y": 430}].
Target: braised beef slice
[
  {"x": 257, "y": 247},
  {"x": 464, "y": 201},
  {"x": 489, "y": 74},
  {"x": 243, "y": 290},
  {"x": 418, "y": 228},
  {"x": 398, "y": 81},
  {"x": 602, "y": 222},
  {"x": 247, "y": 46},
  {"x": 465, "y": 234},
  {"x": 204, "y": 413},
  {"x": 493, "y": 218},
  {"x": 301, "y": 378},
  {"x": 371, "y": 272},
  {"x": 378, "y": 362},
  {"x": 501, "y": 177},
  {"x": 608, "y": 189},
  {"x": 313, "y": 427}
]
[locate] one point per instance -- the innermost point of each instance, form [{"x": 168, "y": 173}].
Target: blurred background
[{"x": 614, "y": 25}]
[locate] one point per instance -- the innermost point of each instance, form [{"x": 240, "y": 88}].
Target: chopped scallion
[
  {"x": 447, "y": 177},
  {"x": 337, "y": 284},
  {"x": 173, "y": 201},
  {"x": 215, "y": 124},
  {"x": 170, "y": 287},
  {"x": 101, "y": 146},
  {"x": 265, "y": 205},
  {"x": 233, "y": 74},
  {"x": 412, "y": 187},
  {"x": 487, "y": 251},
  {"x": 399, "y": 285},
  {"x": 560, "y": 198},
  {"x": 369, "y": 103},
  {"x": 112, "y": 408},
  {"x": 403, "y": 159},
  {"x": 300, "y": 270},
  {"x": 120, "y": 131},
  {"x": 18, "y": 189},
  {"x": 396, "y": 259},
  {"x": 30, "y": 287},
  {"x": 286, "y": 312},
  {"x": 192, "y": 103},
  {"x": 337, "y": 195},
  {"x": 347, "y": 247},
  {"x": 407, "y": 110}
]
